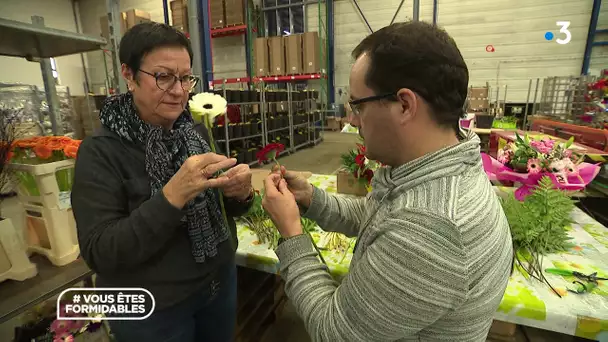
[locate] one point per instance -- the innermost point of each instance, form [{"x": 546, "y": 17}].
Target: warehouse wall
[
  {"x": 57, "y": 14},
  {"x": 515, "y": 28},
  {"x": 228, "y": 52}
]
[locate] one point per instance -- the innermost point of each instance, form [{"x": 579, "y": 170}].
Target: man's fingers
[
  {"x": 270, "y": 185},
  {"x": 211, "y": 169},
  {"x": 283, "y": 187}
]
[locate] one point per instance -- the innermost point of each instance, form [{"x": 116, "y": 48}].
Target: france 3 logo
[{"x": 567, "y": 36}]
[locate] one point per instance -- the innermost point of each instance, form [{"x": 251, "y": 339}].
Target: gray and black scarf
[{"x": 165, "y": 154}]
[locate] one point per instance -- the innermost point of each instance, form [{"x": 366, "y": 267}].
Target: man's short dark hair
[
  {"x": 145, "y": 37},
  {"x": 423, "y": 58}
]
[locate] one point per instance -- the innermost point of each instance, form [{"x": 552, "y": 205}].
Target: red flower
[
  {"x": 270, "y": 151},
  {"x": 361, "y": 149},
  {"x": 360, "y": 160},
  {"x": 368, "y": 174}
]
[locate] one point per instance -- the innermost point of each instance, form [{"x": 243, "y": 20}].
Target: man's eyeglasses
[
  {"x": 166, "y": 81},
  {"x": 355, "y": 105}
]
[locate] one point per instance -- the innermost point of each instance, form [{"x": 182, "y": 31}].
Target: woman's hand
[
  {"x": 194, "y": 176},
  {"x": 281, "y": 205},
  {"x": 239, "y": 183}
]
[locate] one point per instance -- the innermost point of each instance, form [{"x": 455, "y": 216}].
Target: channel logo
[
  {"x": 564, "y": 25},
  {"x": 82, "y": 303}
]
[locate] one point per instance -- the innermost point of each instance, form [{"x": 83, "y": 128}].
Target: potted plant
[{"x": 14, "y": 263}]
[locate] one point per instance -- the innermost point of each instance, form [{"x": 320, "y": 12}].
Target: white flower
[
  {"x": 557, "y": 166},
  {"x": 207, "y": 105}
]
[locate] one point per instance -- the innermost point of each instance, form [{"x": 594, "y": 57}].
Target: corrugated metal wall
[{"x": 515, "y": 28}]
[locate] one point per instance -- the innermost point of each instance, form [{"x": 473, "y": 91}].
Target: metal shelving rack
[{"x": 38, "y": 43}]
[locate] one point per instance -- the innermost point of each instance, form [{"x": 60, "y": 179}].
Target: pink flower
[
  {"x": 503, "y": 157},
  {"x": 549, "y": 143},
  {"x": 60, "y": 327},
  {"x": 541, "y": 147},
  {"x": 567, "y": 153},
  {"x": 65, "y": 337},
  {"x": 534, "y": 166}
]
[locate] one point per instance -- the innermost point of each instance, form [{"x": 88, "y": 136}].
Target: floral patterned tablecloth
[{"x": 526, "y": 301}]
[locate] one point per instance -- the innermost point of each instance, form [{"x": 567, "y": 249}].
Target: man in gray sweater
[{"x": 433, "y": 254}]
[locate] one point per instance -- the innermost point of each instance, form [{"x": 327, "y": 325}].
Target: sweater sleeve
[
  {"x": 336, "y": 213},
  {"x": 112, "y": 239},
  {"x": 412, "y": 274}
]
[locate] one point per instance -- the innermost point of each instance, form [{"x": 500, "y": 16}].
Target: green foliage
[
  {"x": 524, "y": 151},
  {"x": 538, "y": 224}
]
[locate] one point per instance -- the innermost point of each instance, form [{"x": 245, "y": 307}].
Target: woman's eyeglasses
[
  {"x": 166, "y": 81},
  {"x": 355, "y": 105}
]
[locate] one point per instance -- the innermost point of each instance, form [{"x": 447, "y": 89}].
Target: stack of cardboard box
[
  {"x": 179, "y": 15},
  {"x": 235, "y": 12},
  {"x": 287, "y": 55},
  {"x": 217, "y": 13},
  {"x": 128, "y": 19},
  {"x": 478, "y": 99}
]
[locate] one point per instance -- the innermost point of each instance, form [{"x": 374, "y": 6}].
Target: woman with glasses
[{"x": 146, "y": 197}]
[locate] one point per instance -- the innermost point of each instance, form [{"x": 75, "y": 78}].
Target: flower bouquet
[
  {"x": 27, "y": 154},
  {"x": 525, "y": 161},
  {"x": 357, "y": 173}
]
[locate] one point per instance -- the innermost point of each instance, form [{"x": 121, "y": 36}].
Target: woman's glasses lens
[{"x": 166, "y": 81}]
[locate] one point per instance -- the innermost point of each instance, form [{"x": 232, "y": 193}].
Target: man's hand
[
  {"x": 281, "y": 205},
  {"x": 238, "y": 185},
  {"x": 298, "y": 185}
]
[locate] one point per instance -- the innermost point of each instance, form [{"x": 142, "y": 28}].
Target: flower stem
[
  {"x": 212, "y": 143},
  {"x": 315, "y": 246}
]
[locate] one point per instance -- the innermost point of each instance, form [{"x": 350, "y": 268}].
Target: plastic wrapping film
[{"x": 31, "y": 100}]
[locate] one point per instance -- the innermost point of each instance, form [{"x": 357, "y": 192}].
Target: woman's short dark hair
[
  {"x": 145, "y": 37},
  {"x": 423, "y": 58}
]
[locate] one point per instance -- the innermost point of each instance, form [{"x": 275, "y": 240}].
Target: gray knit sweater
[{"x": 432, "y": 261}]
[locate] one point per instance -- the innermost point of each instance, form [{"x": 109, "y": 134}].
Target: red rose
[
  {"x": 270, "y": 151},
  {"x": 360, "y": 160}
]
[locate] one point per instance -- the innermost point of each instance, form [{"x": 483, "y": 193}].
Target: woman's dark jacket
[{"x": 131, "y": 239}]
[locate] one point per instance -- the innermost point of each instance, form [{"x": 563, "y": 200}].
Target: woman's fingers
[
  {"x": 209, "y": 170},
  {"x": 218, "y": 182}
]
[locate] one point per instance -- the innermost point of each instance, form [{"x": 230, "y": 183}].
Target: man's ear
[{"x": 409, "y": 104}]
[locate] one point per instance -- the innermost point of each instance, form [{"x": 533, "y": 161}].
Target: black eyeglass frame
[
  {"x": 156, "y": 75},
  {"x": 355, "y": 103}
]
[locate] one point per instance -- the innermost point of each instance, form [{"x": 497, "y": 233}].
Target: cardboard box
[
  {"x": 334, "y": 123},
  {"x": 105, "y": 26},
  {"x": 479, "y": 104},
  {"x": 310, "y": 42},
  {"x": 260, "y": 56},
  {"x": 179, "y": 15},
  {"x": 293, "y": 54},
  {"x": 235, "y": 13},
  {"x": 349, "y": 185},
  {"x": 136, "y": 16},
  {"x": 277, "y": 56},
  {"x": 217, "y": 13},
  {"x": 478, "y": 93}
]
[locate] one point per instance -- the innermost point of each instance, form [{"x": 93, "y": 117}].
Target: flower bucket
[
  {"x": 48, "y": 185},
  {"x": 484, "y": 121}
]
